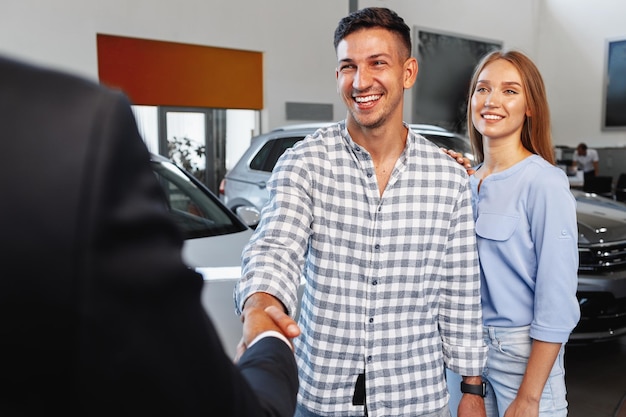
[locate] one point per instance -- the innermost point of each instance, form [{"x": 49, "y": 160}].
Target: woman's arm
[{"x": 540, "y": 362}]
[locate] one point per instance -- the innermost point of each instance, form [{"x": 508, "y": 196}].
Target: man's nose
[{"x": 362, "y": 79}]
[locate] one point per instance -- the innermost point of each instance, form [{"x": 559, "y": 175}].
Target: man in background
[
  {"x": 587, "y": 160},
  {"x": 98, "y": 313}
]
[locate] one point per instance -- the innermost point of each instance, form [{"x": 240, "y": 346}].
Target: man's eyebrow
[{"x": 371, "y": 57}]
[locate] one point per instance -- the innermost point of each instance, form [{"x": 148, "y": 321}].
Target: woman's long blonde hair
[{"x": 536, "y": 133}]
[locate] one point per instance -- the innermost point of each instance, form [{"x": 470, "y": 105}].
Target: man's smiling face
[{"x": 372, "y": 75}]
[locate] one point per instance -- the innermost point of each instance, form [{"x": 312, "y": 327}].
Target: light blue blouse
[{"x": 527, "y": 241}]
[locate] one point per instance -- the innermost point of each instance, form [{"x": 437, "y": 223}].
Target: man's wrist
[{"x": 270, "y": 333}]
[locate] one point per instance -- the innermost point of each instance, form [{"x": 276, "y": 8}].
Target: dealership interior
[{"x": 276, "y": 67}]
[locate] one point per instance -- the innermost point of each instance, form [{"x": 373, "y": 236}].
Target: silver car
[{"x": 244, "y": 185}]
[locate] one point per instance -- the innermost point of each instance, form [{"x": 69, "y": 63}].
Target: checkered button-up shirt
[{"x": 392, "y": 283}]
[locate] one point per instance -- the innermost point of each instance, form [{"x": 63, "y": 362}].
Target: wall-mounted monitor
[
  {"x": 446, "y": 62},
  {"x": 614, "y": 100}
]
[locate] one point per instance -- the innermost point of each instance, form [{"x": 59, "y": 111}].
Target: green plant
[{"x": 187, "y": 153}]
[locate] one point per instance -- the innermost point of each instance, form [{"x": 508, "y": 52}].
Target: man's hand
[
  {"x": 263, "y": 312},
  {"x": 472, "y": 406},
  {"x": 287, "y": 325},
  {"x": 458, "y": 157}
]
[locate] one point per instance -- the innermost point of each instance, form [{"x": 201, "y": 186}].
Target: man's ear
[{"x": 410, "y": 72}]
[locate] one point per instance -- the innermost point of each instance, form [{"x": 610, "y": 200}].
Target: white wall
[
  {"x": 571, "y": 50},
  {"x": 565, "y": 37}
]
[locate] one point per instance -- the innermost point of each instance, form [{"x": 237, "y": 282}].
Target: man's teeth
[{"x": 366, "y": 99}]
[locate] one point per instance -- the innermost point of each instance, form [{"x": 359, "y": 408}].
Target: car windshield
[
  {"x": 196, "y": 212},
  {"x": 268, "y": 155}
]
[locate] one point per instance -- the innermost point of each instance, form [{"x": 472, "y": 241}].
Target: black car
[{"x": 602, "y": 267}]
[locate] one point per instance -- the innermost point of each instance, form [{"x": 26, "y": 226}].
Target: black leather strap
[{"x": 480, "y": 389}]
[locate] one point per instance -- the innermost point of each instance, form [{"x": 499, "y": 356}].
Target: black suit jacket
[{"x": 98, "y": 313}]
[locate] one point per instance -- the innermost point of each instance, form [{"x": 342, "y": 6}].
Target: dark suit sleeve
[
  {"x": 147, "y": 346},
  {"x": 98, "y": 314},
  {"x": 270, "y": 368}
]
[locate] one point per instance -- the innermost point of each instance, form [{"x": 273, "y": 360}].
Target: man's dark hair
[{"x": 372, "y": 17}]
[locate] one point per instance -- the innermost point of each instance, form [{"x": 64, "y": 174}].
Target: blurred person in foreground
[
  {"x": 527, "y": 232},
  {"x": 98, "y": 314},
  {"x": 378, "y": 223}
]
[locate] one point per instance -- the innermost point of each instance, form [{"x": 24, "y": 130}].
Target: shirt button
[
  {"x": 377, "y": 246},
  {"x": 375, "y": 282},
  {"x": 369, "y": 175},
  {"x": 369, "y": 358},
  {"x": 371, "y": 319}
]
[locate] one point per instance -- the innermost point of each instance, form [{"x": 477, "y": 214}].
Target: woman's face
[{"x": 498, "y": 102}]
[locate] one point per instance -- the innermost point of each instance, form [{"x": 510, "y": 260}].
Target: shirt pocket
[{"x": 499, "y": 227}]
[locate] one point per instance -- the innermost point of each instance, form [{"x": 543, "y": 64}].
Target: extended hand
[{"x": 263, "y": 312}]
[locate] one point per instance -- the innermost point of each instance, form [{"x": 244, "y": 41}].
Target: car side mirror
[{"x": 249, "y": 215}]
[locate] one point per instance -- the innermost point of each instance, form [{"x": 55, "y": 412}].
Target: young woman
[{"x": 526, "y": 233}]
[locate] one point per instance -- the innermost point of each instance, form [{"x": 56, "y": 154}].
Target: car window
[
  {"x": 196, "y": 212},
  {"x": 449, "y": 142},
  {"x": 267, "y": 156}
]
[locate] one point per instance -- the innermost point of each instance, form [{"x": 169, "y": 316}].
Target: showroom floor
[{"x": 596, "y": 379}]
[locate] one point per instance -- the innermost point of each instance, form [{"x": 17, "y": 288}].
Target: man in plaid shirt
[{"x": 377, "y": 223}]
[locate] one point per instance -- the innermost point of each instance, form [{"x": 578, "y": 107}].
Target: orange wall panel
[{"x": 159, "y": 73}]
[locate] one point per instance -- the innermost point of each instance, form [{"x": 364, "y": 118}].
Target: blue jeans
[{"x": 509, "y": 349}]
